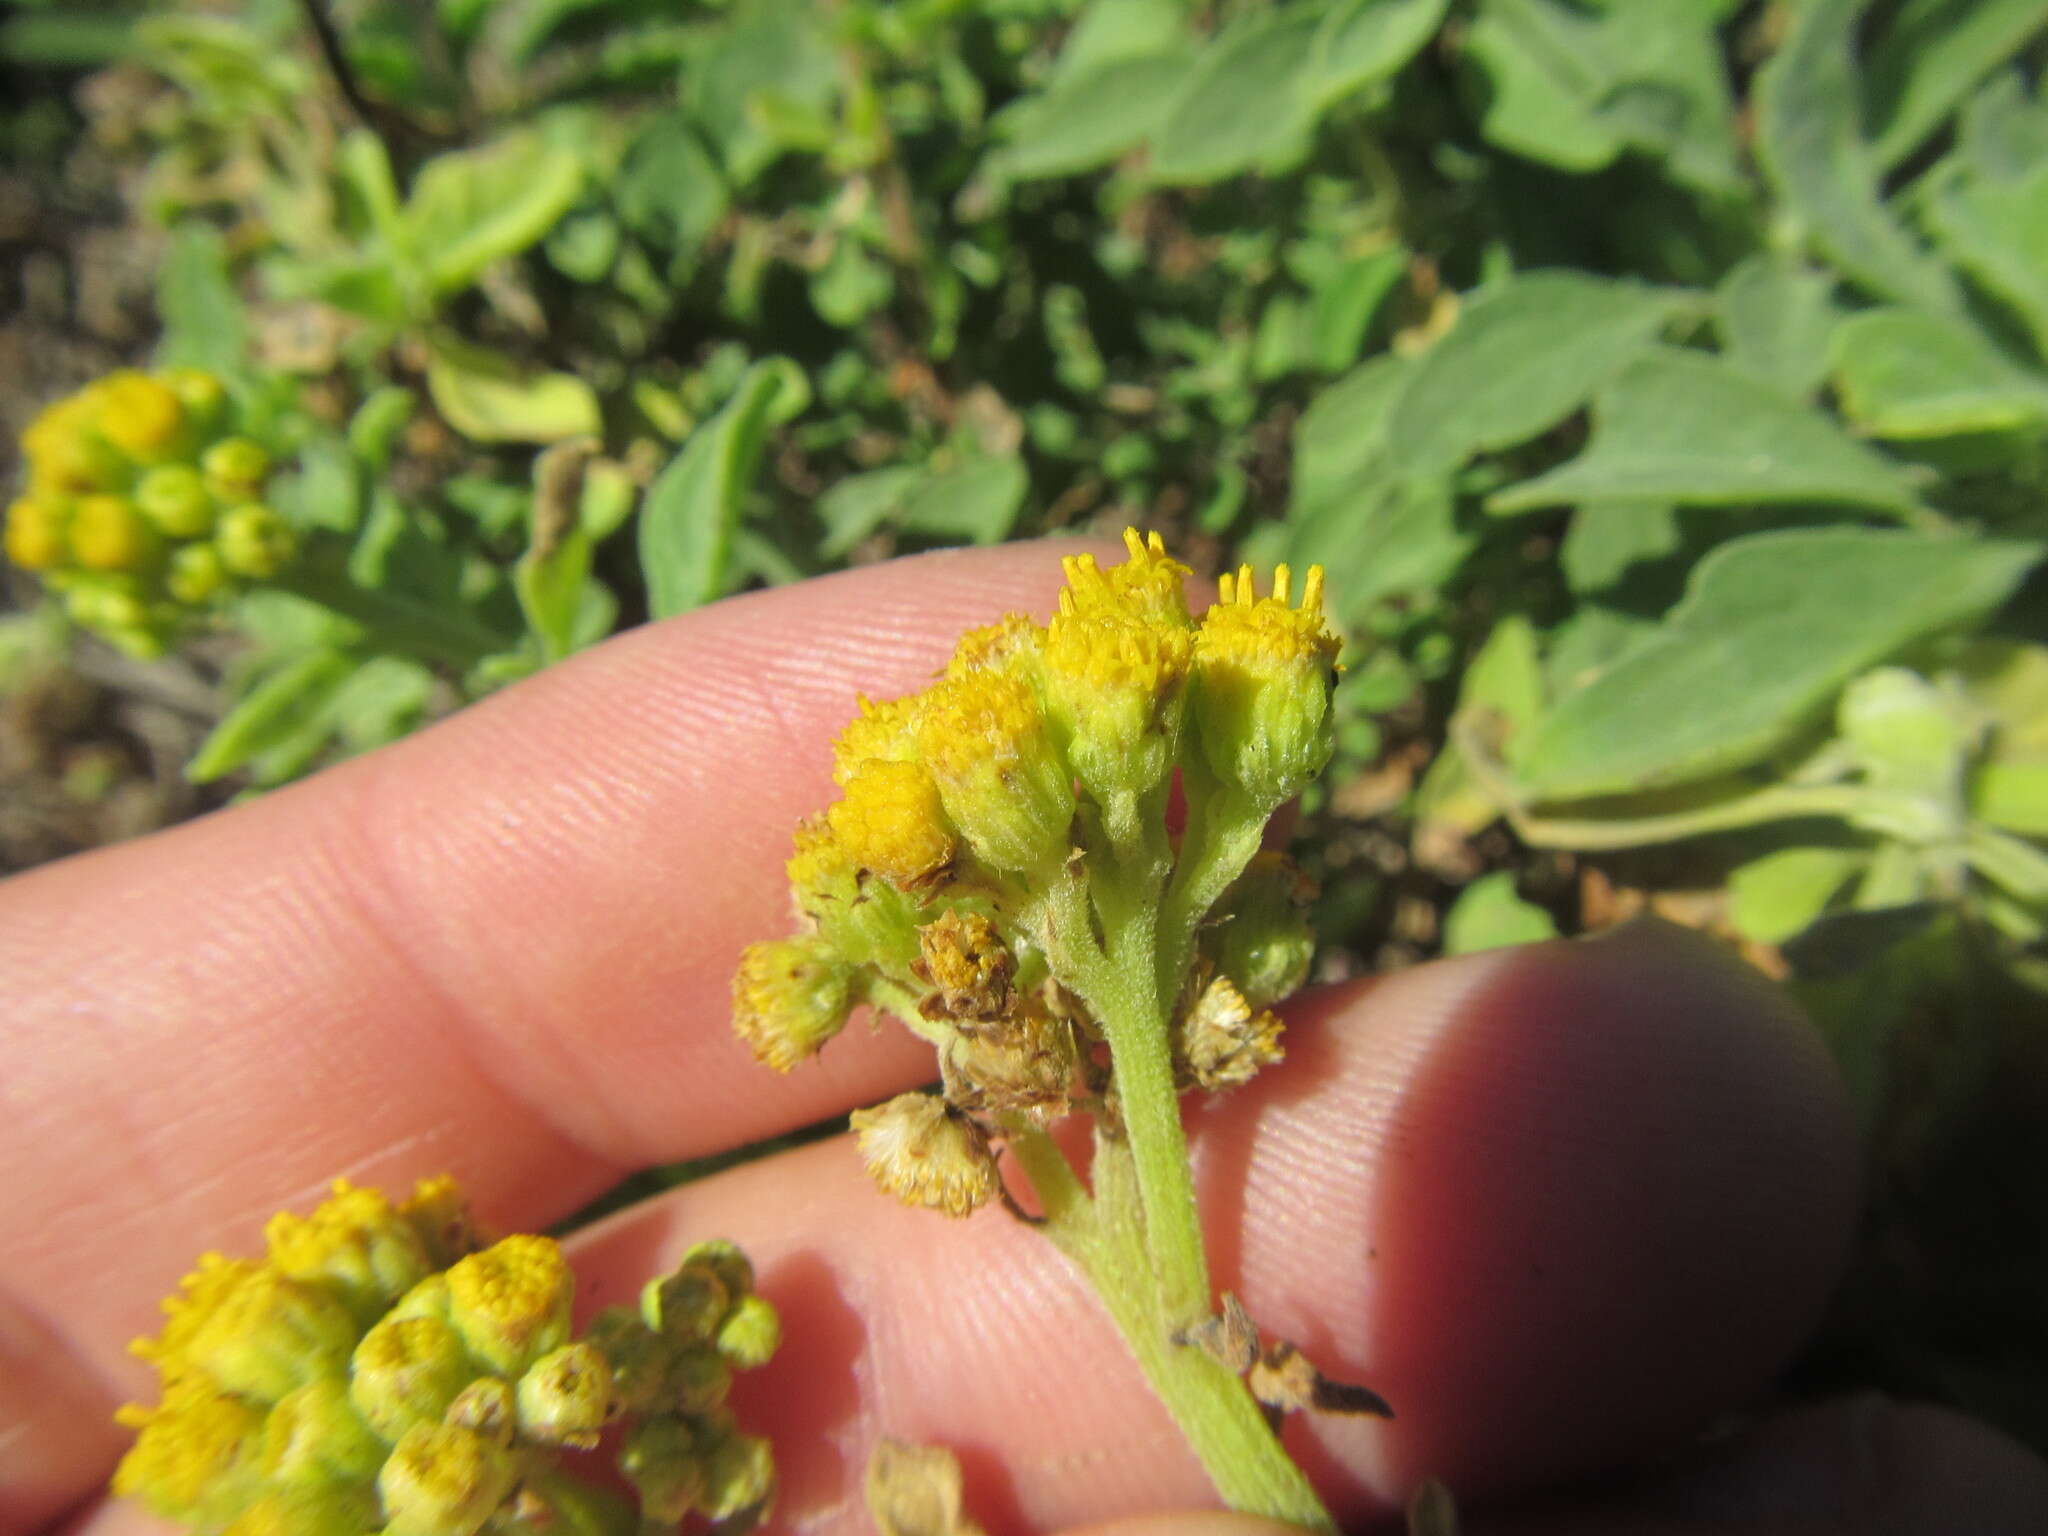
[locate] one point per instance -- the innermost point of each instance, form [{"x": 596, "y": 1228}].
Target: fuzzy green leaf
[
  {"x": 692, "y": 508},
  {"x": 1904, "y": 373},
  {"x": 469, "y": 208}
]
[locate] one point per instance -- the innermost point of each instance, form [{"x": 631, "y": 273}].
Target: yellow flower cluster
[
  {"x": 1027, "y": 788},
  {"x": 380, "y": 1369},
  {"x": 142, "y": 506}
]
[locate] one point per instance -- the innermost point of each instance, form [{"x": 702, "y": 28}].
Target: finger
[
  {"x": 1864, "y": 1466},
  {"x": 1561, "y": 1205},
  {"x": 501, "y": 949}
]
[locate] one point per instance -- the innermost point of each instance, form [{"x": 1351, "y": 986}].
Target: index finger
[{"x": 500, "y": 949}]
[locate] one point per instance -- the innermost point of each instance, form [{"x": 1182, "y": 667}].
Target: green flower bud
[
  {"x": 488, "y": 1406},
  {"x": 686, "y": 1306},
  {"x": 1115, "y": 689},
  {"x": 724, "y": 1260},
  {"x": 698, "y": 1380},
  {"x": 1263, "y": 675},
  {"x": 198, "y": 1457},
  {"x": 322, "y": 1511},
  {"x": 437, "y": 1211},
  {"x": 638, "y": 1359},
  {"x": 254, "y": 541},
  {"x": 270, "y": 1333},
  {"x": 660, "y": 1459},
  {"x": 511, "y": 1302},
  {"x": 565, "y": 1398},
  {"x": 789, "y": 997},
  {"x": 173, "y": 497},
  {"x": 357, "y": 1241},
  {"x": 444, "y": 1480},
  {"x": 235, "y": 469},
  {"x": 406, "y": 1371},
  {"x": 751, "y": 1335},
  {"x": 140, "y": 416},
  {"x": 314, "y": 1437},
  {"x": 1259, "y": 935},
  {"x": 739, "y": 1480},
  {"x": 1001, "y": 778}
]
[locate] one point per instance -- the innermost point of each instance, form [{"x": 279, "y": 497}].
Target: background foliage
[{"x": 1665, "y": 388}]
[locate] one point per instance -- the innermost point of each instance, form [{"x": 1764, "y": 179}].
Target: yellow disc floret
[
  {"x": 35, "y": 532},
  {"x": 893, "y": 823},
  {"x": 1264, "y": 669},
  {"x": 141, "y": 416},
  {"x": 985, "y": 740},
  {"x": 789, "y": 997},
  {"x": 887, "y": 731}
]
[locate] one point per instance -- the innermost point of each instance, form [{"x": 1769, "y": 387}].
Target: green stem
[
  {"x": 1223, "y": 832},
  {"x": 1106, "y": 1239}
]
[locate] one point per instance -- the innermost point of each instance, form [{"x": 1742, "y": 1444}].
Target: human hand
[{"x": 1561, "y": 1205}]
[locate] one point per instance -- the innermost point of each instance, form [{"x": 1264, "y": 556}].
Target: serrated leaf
[
  {"x": 487, "y": 398},
  {"x": 276, "y": 712},
  {"x": 1490, "y": 914},
  {"x": 1771, "y": 627},
  {"x": 1684, "y": 427},
  {"x": 471, "y": 207},
  {"x": 1085, "y": 121},
  {"x": 687, "y": 522},
  {"x": 1903, "y": 373},
  {"x": 1811, "y": 148},
  {"x": 1775, "y": 319},
  {"x": 1931, "y": 55},
  {"x": 1249, "y": 103},
  {"x": 1774, "y": 897},
  {"x": 1523, "y": 355}
]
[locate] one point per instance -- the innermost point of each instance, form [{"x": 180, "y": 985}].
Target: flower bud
[
  {"x": 406, "y": 1371},
  {"x": 660, "y": 1459},
  {"x": 203, "y": 396},
  {"x": 922, "y": 1151},
  {"x": 140, "y": 416},
  {"x": 173, "y": 497},
  {"x": 750, "y": 1336},
  {"x": 356, "y": 1241},
  {"x": 739, "y": 1480},
  {"x": 444, "y": 1480},
  {"x": 892, "y": 822},
  {"x": 35, "y": 532},
  {"x": 1263, "y": 674},
  {"x": 1001, "y": 779},
  {"x": 326, "y": 1510},
  {"x": 789, "y": 997},
  {"x": 63, "y": 452},
  {"x": 698, "y": 1379},
  {"x": 314, "y": 1437},
  {"x": 886, "y": 732},
  {"x": 254, "y": 541},
  {"x": 198, "y": 1457},
  {"x": 1115, "y": 688},
  {"x": 108, "y": 534},
  {"x": 686, "y": 1306},
  {"x": 195, "y": 574},
  {"x": 726, "y": 1260},
  {"x": 637, "y": 1358},
  {"x": 1260, "y": 936},
  {"x": 1011, "y": 645},
  {"x": 235, "y": 469},
  {"x": 270, "y": 1334},
  {"x": 565, "y": 1397},
  {"x": 437, "y": 1211},
  {"x": 868, "y": 921},
  {"x": 511, "y": 1302},
  {"x": 489, "y": 1406}
]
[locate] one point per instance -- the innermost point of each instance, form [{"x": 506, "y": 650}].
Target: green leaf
[
  {"x": 1685, "y": 427},
  {"x": 277, "y": 711},
  {"x": 1574, "y": 86},
  {"x": 1997, "y": 231},
  {"x": 1775, "y": 319},
  {"x": 1365, "y": 41},
  {"x": 1903, "y": 373},
  {"x": 471, "y": 207},
  {"x": 1085, "y": 121},
  {"x": 550, "y": 585},
  {"x": 383, "y": 699},
  {"x": 1488, "y": 914},
  {"x": 1523, "y": 355},
  {"x": 779, "y": 46},
  {"x": 1112, "y": 30},
  {"x": 1774, "y": 897},
  {"x": 1249, "y": 103},
  {"x": 1344, "y": 429},
  {"x": 1771, "y": 627},
  {"x": 1810, "y": 145},
  {"x": 204, "y": 325},
  {"x": 1606, "y": 538},
  {"x": 1385, "y": 535},
  {"x": 692, "y": 508},
  {"x": 486, "y": 397},
  {"x": 1931, "y": 55},
  {"x": 852, "y": 284},
  {"x": 859, "y": 504},
  {"x": 1504, "y": 679},
  {"x": 978, "y": 500},
  {"x": 669, "y": 191}
]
